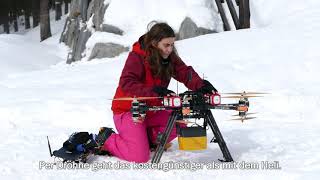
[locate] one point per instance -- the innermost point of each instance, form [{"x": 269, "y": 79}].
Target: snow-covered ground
[{"x": 42, "y": 96}]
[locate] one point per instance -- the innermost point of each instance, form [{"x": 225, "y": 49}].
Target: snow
[
  {"x": 18, "y": 51},
  {"x": 42, "y": 96},
  {"x": 138, "y": 13}
]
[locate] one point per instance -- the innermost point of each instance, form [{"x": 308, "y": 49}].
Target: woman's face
[{"x": 166, "y": 46}]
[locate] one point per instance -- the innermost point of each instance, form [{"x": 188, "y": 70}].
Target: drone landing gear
[{"x": 209, "y": 119}]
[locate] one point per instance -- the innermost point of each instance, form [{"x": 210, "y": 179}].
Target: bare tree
[
  {"x": 45, "y": 31},
  {"x": 52, "y": 4},
  {"x": 4, "y": 15},
  {"x": 13, "y": 14},
  {"x": 66, "y": 6},
  {"x": 26, "y": 6},
  {"x": 36, "y": 12},
  {"x": 58, "y": 8}
]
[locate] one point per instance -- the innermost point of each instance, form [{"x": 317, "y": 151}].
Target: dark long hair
[{"x": 155, "y": 34}]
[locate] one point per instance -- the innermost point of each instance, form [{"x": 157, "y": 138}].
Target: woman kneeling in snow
[{"x": 147, "y": 72}]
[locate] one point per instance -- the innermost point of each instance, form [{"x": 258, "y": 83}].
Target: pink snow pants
[{"x": 132, "y": 141}]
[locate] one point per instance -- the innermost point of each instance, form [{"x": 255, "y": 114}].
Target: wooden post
[
  {"x": 226, "y": 25},
  {"x": 244, "y": 14},
  {"x": 233, "y": 14}
]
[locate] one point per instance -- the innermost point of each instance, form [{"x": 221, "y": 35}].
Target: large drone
[
  {"x": 190, "y": 101},
  {"x": 196, "y": 105}
]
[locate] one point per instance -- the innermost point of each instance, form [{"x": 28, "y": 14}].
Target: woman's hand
[
  {"x": 207, "y": 88},
  {"x": 162, "y": 91}
]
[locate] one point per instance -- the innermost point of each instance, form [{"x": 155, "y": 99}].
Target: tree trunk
[
  {"x": 26, "y": 6},
  {"x": 15, "y": 21},
  {"x": 244, "y": 14},
  {"x": 58, "y": 5},
  {"x": 27, "y": 20},
  {"x": 36, "y": 12},
  {"x": 13, "y": 14},
  {"x": 52, "y": 4},
  {"x": 4, "y": 17},
  {"x": 6, "y": 26},
  {"x": 66, "y": 6},
  {"x": 45, "y": 31}
]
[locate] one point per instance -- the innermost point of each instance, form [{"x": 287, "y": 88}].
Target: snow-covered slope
[
  {"x": 138, "y": 13},
  {"x": 23, "y": 52},
  {"x": 279, "y": 55}
]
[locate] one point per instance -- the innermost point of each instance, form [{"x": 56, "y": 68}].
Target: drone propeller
[
  {"x": 242, "y": 96},
  {"x": 242, "y": 119},
  {"x": 134, "y": 98},
  {"x": 246, "y": 93}
]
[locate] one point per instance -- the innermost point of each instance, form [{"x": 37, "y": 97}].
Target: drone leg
[
  {"x": 164, "y": 138},
  {"x": 218, "y": 137}
]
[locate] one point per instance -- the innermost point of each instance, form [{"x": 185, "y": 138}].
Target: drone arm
[{"x": 225, "y": 106}]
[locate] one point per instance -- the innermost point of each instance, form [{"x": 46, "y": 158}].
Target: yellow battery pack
[{"x": 192, "y": 138}]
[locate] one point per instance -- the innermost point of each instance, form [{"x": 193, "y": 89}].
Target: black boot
[{"x": 103, "y": 135}]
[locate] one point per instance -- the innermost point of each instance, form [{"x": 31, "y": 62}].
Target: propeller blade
[
  {"x": 251, "y": 113},
  {"x": 243, "y": 96},
  {"x": 247, "y": 118},
  {"x": 242, "y": 119},
  {"x": 238, "y": 119},
  {"x": 245, "y": 93}
]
